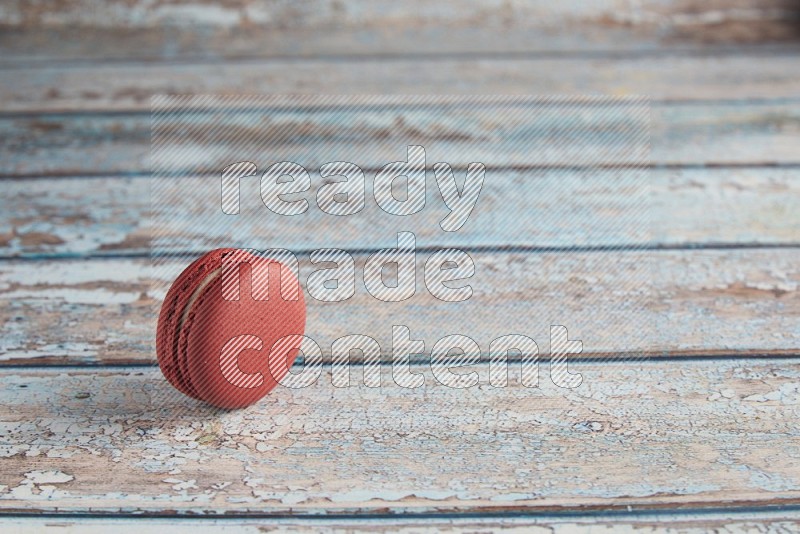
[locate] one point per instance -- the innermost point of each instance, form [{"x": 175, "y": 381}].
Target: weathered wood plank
[
  {"x": 739, "y": 74},
  {"x": 620, "y": 304},
  {"x": 180, "y": 30},
  {"x": 682, "y": 134},
  {"x": 386, "y": 14},
  {"x": 676, "y": 523},
  {"x": 646, "y": 435},
  {"x": 65, "y": 46},
  {"x": 688, "y": 207}
]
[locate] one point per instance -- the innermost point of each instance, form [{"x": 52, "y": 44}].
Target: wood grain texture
[
  {"x": 736, "y": 74},
  {"x": 644, "y": 435},
  {"x": 681, "y": 134},
  {"x": 620, "y": 304},
  {"x": 385, "y": 14},
  {"x": 685, "y": 523},
  {"x": 56, "y": 217},
  {"x": 181, "y": 30}
]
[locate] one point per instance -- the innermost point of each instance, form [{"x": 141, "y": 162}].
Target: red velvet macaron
[{"x": 219, "y": 322}]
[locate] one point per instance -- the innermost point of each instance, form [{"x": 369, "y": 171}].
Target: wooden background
[{"x": 702, "y": 435}]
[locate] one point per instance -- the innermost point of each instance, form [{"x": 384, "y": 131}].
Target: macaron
[{"x": 220, "y": 325}]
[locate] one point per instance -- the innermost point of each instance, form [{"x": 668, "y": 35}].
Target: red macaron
[{"x": 219, "y": 325}]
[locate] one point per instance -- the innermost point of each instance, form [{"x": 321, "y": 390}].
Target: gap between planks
[{"x": 684, "y": 521}]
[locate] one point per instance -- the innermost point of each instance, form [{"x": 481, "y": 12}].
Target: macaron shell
[
  {"x": 213, "y": 321},
  {"x": 204, "y": 268},
  {"x": 172, "y": 309}
]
